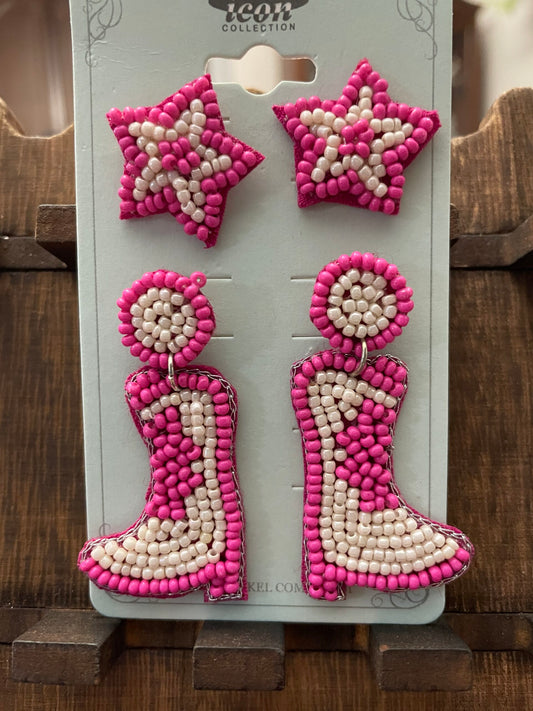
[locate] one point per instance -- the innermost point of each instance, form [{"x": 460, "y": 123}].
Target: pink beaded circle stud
[
  {"x": 360, "y": 299},
  {"x": 165, "y": 314},
  {"x": 354, "y": 150},
  {"x": 178, "y": 158}
]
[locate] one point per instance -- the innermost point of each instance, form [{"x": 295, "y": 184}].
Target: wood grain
[
  {"x": 240, "y": 656},
  {"x": 16, "y": 620},
  {"x": 491, "y": 437},
  {"x": 323, "y": 637},
  {"x": 42, "y": 509},
  {"x": 44, "y": 170},
  {"x": 23, "y": 253},
  {"x": 492, "y": 169},
  {"x": 420, "y": 658},
  {"x": 504, "y": 249},
  {"x": 160, "y": 680},
  {"x": 55, "y": 230},
  {"x": 179, "y": 634},
  {"x": 494, "y": 632},
  {"x": 67, "y": 647}
]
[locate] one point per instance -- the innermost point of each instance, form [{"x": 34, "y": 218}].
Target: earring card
[{"x": 261, "y": 272}]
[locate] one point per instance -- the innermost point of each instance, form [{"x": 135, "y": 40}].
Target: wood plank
[
  {"x": 160, "y": 680},
  {"x": 42, "y": 508},
  {"x": 491, "y": 438},
  {"x": 490, "y": 453},
  {"x": 23, "y": 253},
  {"x": 420, "y": 658},
  {"x": 493, "y": 632},
  {"x": 239, "y": 656},
  {"x": 161, "y": 633},
  {"x": 55, "y": 230},
  {"x": 45, "y": 173},
  {"x": 488, "y": 251},
  {"x": 16, "y": 620},
  {"x": 323, "y": 637},
  {"x": 492, "y": 169},
  {"x": 67, "y": 647}
]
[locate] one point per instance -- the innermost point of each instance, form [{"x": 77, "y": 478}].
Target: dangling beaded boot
[
  {"x": 358, "y": 530},
  {"x": 190, "y": 535}
]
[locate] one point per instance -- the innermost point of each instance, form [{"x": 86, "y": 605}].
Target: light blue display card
[{"x": 260, "y": 274}]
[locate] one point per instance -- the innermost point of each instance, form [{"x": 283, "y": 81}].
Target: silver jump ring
[
  {"x": 364, "y": 356},
  {"x": 170, "y": 367}
]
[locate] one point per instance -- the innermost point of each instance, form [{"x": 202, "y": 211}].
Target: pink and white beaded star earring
[
  {"x": 178, "y": 158},
  {"x": 354, "y": 149},
  {"x": 190, "y": 534},
  {"x": 358, "y": 530}
]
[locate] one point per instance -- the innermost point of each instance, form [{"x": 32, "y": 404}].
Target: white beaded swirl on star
[
  {"x": 154, "y": 177},
  {"x": 326, "y": 125}
]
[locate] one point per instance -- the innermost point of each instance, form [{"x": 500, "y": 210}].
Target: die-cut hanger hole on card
[{"x": 260, "y": 69}]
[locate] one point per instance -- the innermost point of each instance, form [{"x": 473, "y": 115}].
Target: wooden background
[{"x": 42, "y": 511}]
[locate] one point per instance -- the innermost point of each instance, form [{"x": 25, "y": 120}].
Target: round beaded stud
[
  {"x": 165, "y": 313},
  {"x": 358, "y": 530},
  {"x": 360, "y": 297},
  {"x": 190, "y": 534}
]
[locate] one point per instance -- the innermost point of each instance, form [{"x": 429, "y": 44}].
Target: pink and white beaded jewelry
[
  {"x": 353, "y": 150},
  {"x": 178, "y": 158},
  {"x": 190, "y": 534},
  {"x": 358, "y": 530}
]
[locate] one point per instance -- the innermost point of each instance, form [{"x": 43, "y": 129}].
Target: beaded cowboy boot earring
[
  {"x": 190, "y": 534},
  {"x": 358, "y": 530}
]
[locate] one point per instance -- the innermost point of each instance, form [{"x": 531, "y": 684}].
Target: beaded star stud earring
[
  {"x": 358, "y": 530},
  {"x": 190, "y": 534},
  {"x": 178, "y": 158},
  {"x": 354, "y": 149}
]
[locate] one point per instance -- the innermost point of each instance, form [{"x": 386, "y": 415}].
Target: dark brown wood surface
[
  {"x": 421, "y": 658},
  {"x": 492, "y": 169},
  {"x": 491, "y": 437},
  {"x": 44, "y": 170},
  {"x": 55, "y": 230},
  {"x": 42, "y": 509},
  {"x": 240, "y": 656},
  {"x": 67, "y": 647},
  {"x": 503, "y": 249},
  {"x": 489, "y": 631},
  {"x": 23, "y": 252},
  {"x": 160, "y": 680}
]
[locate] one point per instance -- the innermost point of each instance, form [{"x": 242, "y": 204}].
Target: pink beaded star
[
  {"x": 354, "y": 150},
  {"x": 180, "y": 159}
]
